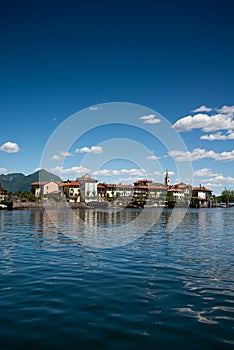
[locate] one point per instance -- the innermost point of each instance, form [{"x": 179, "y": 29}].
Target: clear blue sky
[{"x": 58, "y": 57}]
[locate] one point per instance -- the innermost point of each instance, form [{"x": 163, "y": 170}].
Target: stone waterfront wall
[{"x": 51, "y": 205}]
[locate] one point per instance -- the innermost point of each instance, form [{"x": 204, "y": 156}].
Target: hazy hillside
[{"x": 20, "y": 182}]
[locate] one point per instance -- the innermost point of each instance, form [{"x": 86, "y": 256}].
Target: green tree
[
  {"x": 26, "y": 196},
  {"x": 227, "y": 196}
]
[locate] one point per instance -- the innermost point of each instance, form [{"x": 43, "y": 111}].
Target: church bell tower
[{"x": 167, "y": 179}]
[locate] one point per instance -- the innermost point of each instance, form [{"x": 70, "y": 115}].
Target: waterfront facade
[
  {"x": 88, "y": 188},
  {"x": 143, "y": 191},
  {"x": 201, "y": 197},
  {"x": 42, "y": 188},
  {"x": 71, "y": 190}
]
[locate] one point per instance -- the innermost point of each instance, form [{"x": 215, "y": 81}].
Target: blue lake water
[{"x": 160, "y": 289}]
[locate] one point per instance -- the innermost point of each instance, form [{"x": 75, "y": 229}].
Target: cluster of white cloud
[
  {"x": 93, "y": 149},
  {"x": 217, "y": 125},
  {"x": 221, "y": 119},
  {"x": 80, "y": 170},
  {"x": 198, "y": 153},
  {"x": 214, "y": 179},
  {"x": 118, "y": 172},
  {"x": 150, "y": 119},
  {"x": 10, "y": 147},
  {"x": 3, "y": 170},
  {"x": 75, "y": 170},
  {"x": 219, "y": 136},
  {"x": 205, "y": 172},
  {"x": 202, "y": 109},
  {"x": 63, "y": 154}
]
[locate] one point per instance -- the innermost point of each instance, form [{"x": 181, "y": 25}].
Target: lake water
[{"x": 80, "y": 283}]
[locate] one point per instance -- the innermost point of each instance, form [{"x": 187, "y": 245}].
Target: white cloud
[
  {"x": 55, "y": 157},
  {"x": 9, "y": 147},
  {"x": 213, "y": 180},
  {"x": 152, "y": 157},
  {"x": 93, "y": 149},
  {"x": 150, "y": 119},
  {"x": 198, "y": 153},
  {"x": 3, "y": 170},
  {"x": 61, "y": 155},
  {"x": 205, "y": 172},
  {"x": 82, "y": 150},
  {"x": 75, "y": 170},
  {"x": 225, "y": 156},
  {"x": 118, "y": 172},
  {"x": 221, "y": 119},
  {"x": 226, "y": 109},
  {"x": 205, "y": 122},
  {"x": 220, "y": 181},
  {"x": 95, "y": 108},
  {"x": 219, "y": 136},
  {"x": 202, "y": 109}
]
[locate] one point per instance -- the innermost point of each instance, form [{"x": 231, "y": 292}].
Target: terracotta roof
[
  {"x": 111, "y": 185},
  {"x": 174, "y": 190},
  {"x": 101, "y": 186},
  {"x": 201, "y": 188},
  {"x": 142, "y": 181},
  {"x": 124, "y": 186},
  {"x": 182, "y": 185},
  {"x": 69, "y": 184},
  {"x": 39, "y": 183},
  {"x": 151, "y": 187}
]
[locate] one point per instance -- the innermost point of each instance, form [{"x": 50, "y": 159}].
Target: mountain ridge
[{"x": 14, "y": 182}]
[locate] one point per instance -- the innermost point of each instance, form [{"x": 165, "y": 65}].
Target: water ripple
[{"x": 162, "y": 290}]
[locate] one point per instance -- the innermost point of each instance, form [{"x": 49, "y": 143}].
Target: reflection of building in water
[
  {"x": 107, "y": 218},
  {"x": 43, "y": 224}
]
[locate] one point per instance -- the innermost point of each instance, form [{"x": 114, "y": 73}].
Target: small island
[{"x": 86, "y": 192}]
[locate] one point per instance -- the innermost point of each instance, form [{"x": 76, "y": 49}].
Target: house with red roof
[
  {"x": 201, "y": 196},
  {"x": 42, "y": 188},
  {"x": 71, "y": 189}
]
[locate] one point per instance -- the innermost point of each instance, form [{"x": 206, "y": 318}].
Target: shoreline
[
  {"x": 83, "y": 205},
  {"x": 42, "y": 206}
]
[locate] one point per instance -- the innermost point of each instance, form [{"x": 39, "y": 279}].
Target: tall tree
[{"x": 227, "y": 196}]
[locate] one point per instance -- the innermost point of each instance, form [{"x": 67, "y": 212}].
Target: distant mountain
[{"x": 20, "y": 182}]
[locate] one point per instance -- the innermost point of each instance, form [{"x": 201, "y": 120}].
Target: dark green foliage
[
  {"x": 25, "y": 196},
  {"x": 227, "y": 196},
  {"x": 20, "y": 182}
]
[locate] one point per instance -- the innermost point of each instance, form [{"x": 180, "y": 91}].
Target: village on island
[{"x": 85, "y": 191}]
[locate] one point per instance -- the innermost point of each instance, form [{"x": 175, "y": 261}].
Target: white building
[{"x": 88, "y": 188}]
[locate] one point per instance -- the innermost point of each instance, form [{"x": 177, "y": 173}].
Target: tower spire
[{"x": 167, "y": 179}]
